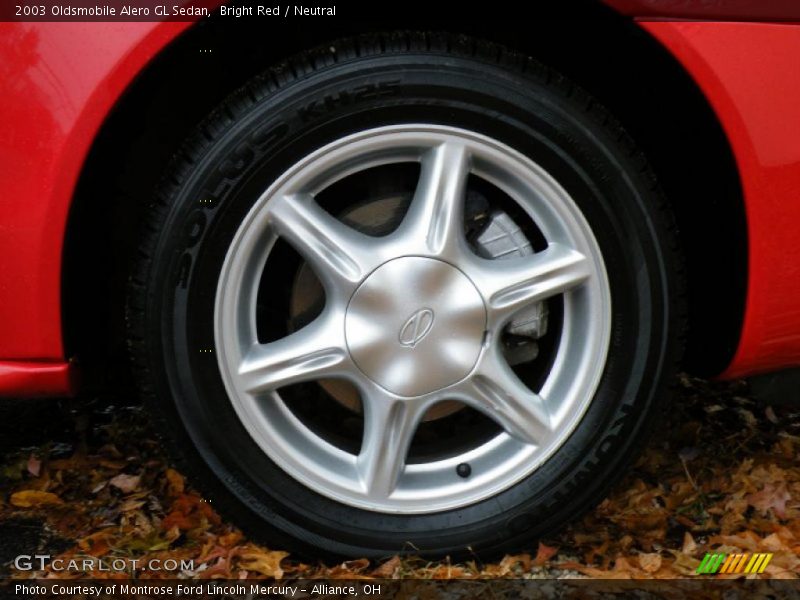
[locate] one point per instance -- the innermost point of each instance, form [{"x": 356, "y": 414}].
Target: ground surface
[{"x": 87, "y": 478}]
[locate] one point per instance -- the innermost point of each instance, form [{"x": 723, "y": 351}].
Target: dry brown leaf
[
  {"x": 96, "y": 544},
  {"x": 623, "y": 565},
  {"x": 126, "y": 483},
  {"x": 265, "y": 562},
  {"x": 774, "y": 543},
  {"x": 769, "y": 412},
  {"x": 114, "y": 465},
  {"x": 689, "y": 545},
  {"x": 544, "y": 553},
  {"x": 230, "y": 539},
  {"x": 189, "y": 511},
  {"x": 350, "y": 567},
  {"x": 776, "y": 572},
  {"x": 130, "y": 505},
  {"x": 773, "y": 496},
  {"x": 388, "y": 569},
  {"x": 34, "y": 465},
  {"x": 650, "y": 563},
  {"x": 447, "y": 571},
  {"x": 685, "y": 564},
  {"x": 34, "y": 498},
  {"x": 175, "y": 481},
  {"x": 744, "y": 540},
  {"x": 512, "y": 560},
  {"x": 220, "y": 569}
]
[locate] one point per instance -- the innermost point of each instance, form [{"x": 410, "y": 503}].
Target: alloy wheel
[{"x": 413, "y": 319}]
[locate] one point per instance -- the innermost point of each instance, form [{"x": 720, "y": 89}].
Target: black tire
[{"x": 316, "y": 98}]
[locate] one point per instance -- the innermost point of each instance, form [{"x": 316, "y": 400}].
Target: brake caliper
[{"x": 501, "y": 239}]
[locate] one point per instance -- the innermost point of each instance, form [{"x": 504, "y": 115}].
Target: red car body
[{"x": 60, "y": 81}]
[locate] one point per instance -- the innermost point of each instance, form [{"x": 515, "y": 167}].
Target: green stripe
[
  {"x": 711, "y": 563},
  {"x": 702, "y": 567},
  {"x": 718, "y": 564}
]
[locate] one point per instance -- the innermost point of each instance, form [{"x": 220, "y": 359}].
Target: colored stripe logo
[{"x": 734, "y": 563}]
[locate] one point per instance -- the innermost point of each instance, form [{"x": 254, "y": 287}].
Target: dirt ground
[{"x": 88, "y": 478}]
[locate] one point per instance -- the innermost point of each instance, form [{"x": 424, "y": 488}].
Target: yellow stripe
[
  {"x": 751, "y": 566},
  {"x": 728, "y": 560},
  {"x": 767, "y": 558},
  {"x": 757, "y": 564}
]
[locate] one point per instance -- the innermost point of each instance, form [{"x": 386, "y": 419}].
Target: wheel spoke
[
  {"x": 389, "y": 426},
  {"x": 496, "y": 391},
  {"x": 435, "y": 218},
  {"x": 510, "y": 285},
  {"x": 338, "y": 253},
  {"x": 313, "y": 352}
]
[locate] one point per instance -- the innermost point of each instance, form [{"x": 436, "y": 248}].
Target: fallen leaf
[
  {"x": 230, "y": 539},
  {"x": 34, "y": 498},
  {"x": 388, "y": 569},
  {"x": 351, "y": 569},
  {"x": 774, "y": 543},
  {"x": 114, "y": 465},
  {"x": 266, "y": 563},
  {"x": 34, "y": 465},
  {"x": 130, "y": 505},
  {"x": 175, "y": 481},
  {"x": 512, "y": 560},
  {"x": 770, "y": 414},
  {"x": 650, "y": 562},
  {"x": 96, "y": 544},
  {"x": 689, "y": 545},
  {"x": 748, "y": 418},
  {"x": 745, "y": 540},
  {"x": 772, "y": 496},
  {"x": 623, "y": 568},
  {"x": 447, "y": 571},
  {"x": 684, "y": 564},
  {"x": 190, "y": 511},
  {"x": 544, "y": 553},
  {"x": 125, "y": 483},
  {"x": 221, "y": 568}
]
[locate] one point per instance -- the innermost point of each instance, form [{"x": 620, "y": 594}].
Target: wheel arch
[{"x": 632, "y": 74}]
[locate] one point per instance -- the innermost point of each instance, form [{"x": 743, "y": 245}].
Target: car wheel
[{"x": 407, "y": 293}]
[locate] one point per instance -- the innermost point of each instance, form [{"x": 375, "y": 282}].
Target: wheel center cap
[{"x": 415, "y": 325}]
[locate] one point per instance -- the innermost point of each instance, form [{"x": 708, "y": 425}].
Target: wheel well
[{"x": 628, "y": 71}]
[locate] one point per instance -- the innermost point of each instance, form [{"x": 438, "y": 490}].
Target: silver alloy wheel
[{"x": 412, "y": 319}]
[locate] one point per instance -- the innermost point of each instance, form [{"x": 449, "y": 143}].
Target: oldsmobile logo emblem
[{"x": 416, "y": 327}]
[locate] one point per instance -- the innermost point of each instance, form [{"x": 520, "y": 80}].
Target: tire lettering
[
  {"x": 184, "y": 270},
  {"x": 382, "y": 89},
  {"x": 310, "y": 111},
  {"x": 340, "y": 99},
  {"x": 269, "y": 135},
  {"x": 317, "y": 108},
  {"x": 239, "y": 161},
  {"x": 194, "y": 227}
]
